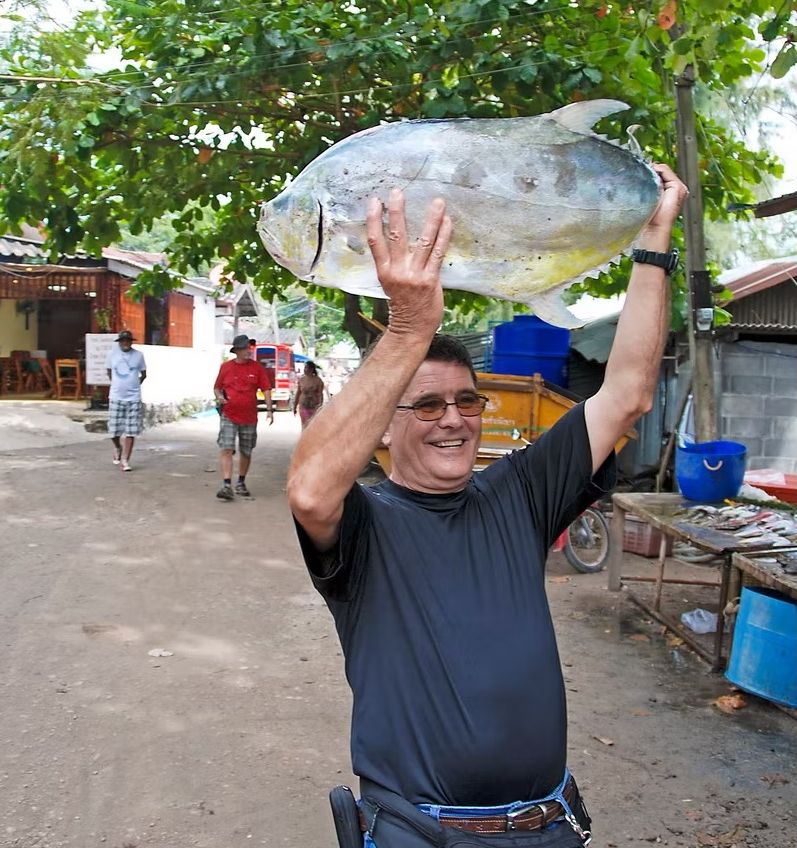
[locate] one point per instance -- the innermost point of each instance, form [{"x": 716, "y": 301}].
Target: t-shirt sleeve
[
  {"x": 109, "y": 361},
  {"x": 335, "y": 572},
  {"x": 557, "y": 474},
  {"x": 143, "y": 366}
]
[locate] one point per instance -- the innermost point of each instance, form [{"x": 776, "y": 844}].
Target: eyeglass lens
[{"x": 434, "y": 408}]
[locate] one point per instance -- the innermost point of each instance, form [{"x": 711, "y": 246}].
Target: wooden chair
[
  {"x": 48, "y": 376},
  {"x": 18, "y": 376},
  {"x": 68, "y": 381},
  {"x": 6, "y": 371}
]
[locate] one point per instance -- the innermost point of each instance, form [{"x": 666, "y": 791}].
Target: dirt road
[{"x": 235, "y": 738}]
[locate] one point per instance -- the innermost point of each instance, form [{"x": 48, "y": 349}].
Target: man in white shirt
[{"x": 126, "y": 371}]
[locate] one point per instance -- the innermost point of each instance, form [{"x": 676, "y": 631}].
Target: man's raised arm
[
  {"x": 344, "y": 434},
  {"x": 635, "y": 359}
]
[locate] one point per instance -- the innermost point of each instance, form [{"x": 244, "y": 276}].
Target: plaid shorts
[
  {"x": 124, "y": 417},
  {"x": 247, "y": 436}
]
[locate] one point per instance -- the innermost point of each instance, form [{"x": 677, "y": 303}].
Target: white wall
[
  {"x": 179, "y": 373},
  {"x": 13, "y": 335},
  {"x": 204, "y": 323}
]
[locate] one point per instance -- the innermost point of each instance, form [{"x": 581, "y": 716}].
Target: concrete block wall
[{"x": 758, "y": 401}]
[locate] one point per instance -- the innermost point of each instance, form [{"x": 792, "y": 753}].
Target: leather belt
[{"x": 535, "y": 816}]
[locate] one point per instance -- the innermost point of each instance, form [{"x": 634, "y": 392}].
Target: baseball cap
[
  {"x": 239, "y": 343},
  {"x": 124, "y": 335}
]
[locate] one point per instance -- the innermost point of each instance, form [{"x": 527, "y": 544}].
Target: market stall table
[
  {"x": 766, "y": 573},
  {"x": 667, "y": 513}
]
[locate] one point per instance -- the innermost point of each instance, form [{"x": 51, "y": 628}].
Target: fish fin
[
  {"x": 364, "y": 289},
  {"x": 581, "y": 117},
  {"x": 632, "y": 145},
  {"x": 550, "y": 307}
]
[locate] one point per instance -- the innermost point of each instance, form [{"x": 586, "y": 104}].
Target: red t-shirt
[{"x": 240, "y": 382}]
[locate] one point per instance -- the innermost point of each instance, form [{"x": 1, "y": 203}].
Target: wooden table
[
  {"x": 666, "y": 513},
  {"x": 769, "y": 574}
]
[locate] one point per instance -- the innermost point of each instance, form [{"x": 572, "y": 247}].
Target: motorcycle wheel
[{"x": 587, "y": 542}]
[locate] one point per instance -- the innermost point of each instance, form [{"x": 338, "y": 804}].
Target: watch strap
[{"x": 668, "y": 261}]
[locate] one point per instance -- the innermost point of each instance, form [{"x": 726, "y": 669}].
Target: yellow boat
[{"x": 519, "y": 411}]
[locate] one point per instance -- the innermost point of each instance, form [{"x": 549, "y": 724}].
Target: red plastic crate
[
  {"x": 774, "y": 482},
  {"x": 640, "y": 538}
]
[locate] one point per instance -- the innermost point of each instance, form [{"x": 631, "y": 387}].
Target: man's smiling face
[{"x": 435, "y": 456}]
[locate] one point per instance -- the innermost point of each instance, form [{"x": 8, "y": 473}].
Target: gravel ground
[{"x": 236, "y": 735}]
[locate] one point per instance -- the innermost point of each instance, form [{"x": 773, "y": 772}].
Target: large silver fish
[{"x": 537, "y": 203}]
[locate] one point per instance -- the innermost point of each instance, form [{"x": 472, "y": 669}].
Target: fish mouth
[{"x": 320, "y": 242}]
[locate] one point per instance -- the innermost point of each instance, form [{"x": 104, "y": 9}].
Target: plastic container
[
  {"x": 526, "y": 345},
  {"x": 764, "y": 650},
  {"x": 642, "y": 539},
  {"x": 773, "y": 482},
  {"x": 710, "y": 471}
]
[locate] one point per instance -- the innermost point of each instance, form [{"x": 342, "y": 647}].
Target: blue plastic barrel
[
  {"x": 764, "y": 651},
  {"x": 527, "y": 345},
  {"x": 710, "y": 471}
]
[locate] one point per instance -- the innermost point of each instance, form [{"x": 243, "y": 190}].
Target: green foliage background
[{"x": 212, "y": 106}]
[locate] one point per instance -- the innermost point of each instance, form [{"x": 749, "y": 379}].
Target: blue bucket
[
  {"x": 764, "y": 651},
  {"x": 710, "y": 471}
]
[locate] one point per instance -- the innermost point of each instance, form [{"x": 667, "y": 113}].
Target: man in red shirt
[{"x": 236, "y": 399}]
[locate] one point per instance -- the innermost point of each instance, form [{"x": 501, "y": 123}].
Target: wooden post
[
  {"x": 700, "y": 302},
  {"x": 660, "y": 573},
  {"x": 616, "y": 532}
]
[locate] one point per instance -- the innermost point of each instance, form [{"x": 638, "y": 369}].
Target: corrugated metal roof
[
  {"x": 20, "y": 249},
  {"x": 764, "y": 295},
  {"x": 758, "y": 276},
  {"x": 770, "y": 310},
  {"x": 137, "y": 258},
  {"x": 594, "y": 340}
]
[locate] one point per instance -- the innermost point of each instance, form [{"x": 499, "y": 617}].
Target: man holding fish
[{"x": 435, "y": 577}]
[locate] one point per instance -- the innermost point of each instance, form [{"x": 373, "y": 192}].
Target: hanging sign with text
[{"x": 98, "y": 346}]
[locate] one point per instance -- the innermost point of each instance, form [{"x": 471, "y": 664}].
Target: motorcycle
[{"x": 585, "y": 543}]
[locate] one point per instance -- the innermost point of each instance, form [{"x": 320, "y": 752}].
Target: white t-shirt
[{"x": 125, "y": 368}]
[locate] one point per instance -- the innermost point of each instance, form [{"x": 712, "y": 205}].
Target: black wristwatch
[{"x": 668, "y": 261}]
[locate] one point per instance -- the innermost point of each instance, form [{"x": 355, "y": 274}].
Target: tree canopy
[{"x": 211, "y": 106}]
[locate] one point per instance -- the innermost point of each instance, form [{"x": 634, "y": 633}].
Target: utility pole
[
  {"x": 275, "y": 325},
  {"x": 701, "y": 349},
  {"x": 311, "y": 340}
]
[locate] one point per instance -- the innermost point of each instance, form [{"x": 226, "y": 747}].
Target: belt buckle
[{"x": 514, "y": 814}]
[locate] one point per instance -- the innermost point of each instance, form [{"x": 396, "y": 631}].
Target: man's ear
[{"x": 386, "y": 438}]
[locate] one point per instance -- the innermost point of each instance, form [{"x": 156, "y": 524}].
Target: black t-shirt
[{"x": 440, "y": 606}]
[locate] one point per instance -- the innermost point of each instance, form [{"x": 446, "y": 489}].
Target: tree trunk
[{"x": 363, "y": 333}]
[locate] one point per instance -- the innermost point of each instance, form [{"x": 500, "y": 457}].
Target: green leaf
[
  {"x": 722, "y": 318},
  {"x": 682, "y": 46},
  {"x": 770, "y": 30},
  {"x": 784, "y": 61}
]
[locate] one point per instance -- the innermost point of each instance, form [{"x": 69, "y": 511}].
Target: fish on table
[{"x": 537, "y": 203}]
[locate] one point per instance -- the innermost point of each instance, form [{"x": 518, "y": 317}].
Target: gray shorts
[
  {"x": 124, "y": 418},
  {"x": 247, "y": 436}
]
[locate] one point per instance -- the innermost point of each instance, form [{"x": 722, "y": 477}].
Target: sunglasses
[{"x": 433, "y": 409}]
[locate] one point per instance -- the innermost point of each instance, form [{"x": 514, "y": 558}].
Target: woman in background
[{"x": 309, "y": 394}]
